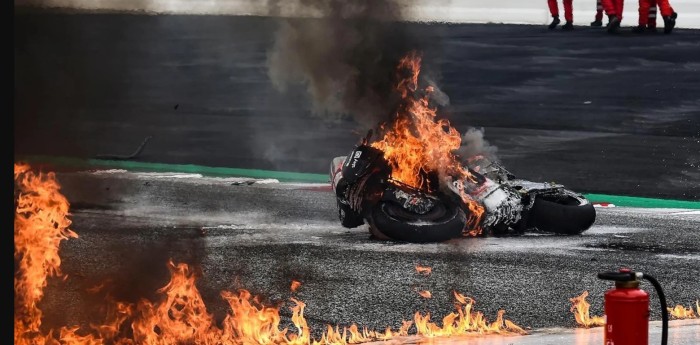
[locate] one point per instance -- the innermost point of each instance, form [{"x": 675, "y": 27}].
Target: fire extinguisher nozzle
[{"x": 617, "y": 276}]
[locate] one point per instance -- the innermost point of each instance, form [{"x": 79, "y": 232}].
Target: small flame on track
[
  {"x": 424, "y": 270},
  {"x": 581, "y": 309},
  {"x": 681, "y": 312}
]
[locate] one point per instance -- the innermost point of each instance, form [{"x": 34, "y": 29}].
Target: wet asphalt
[
  {"x": 261, "y": 236},
  {"x": 598, "y": 113}
]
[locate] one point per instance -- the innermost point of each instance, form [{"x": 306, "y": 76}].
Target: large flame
[
  {"x": 681, "y": 312},
  {"x": 41, "y": 223},
  {"x": 580, "y": 307},
  {"x": 416, "y": 144},
  {"x": 180, "y": 316}
]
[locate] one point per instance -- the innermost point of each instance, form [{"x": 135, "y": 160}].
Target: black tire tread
[
  {"x": 349, "y": 218},
  {"x": 566, "y": 219},
  {"x": 447, "y": 227}
]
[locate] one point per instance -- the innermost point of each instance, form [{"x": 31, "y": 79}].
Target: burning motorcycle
[
  {"x": 489, "y": 201},
  {"x": 409, "y": 184}
]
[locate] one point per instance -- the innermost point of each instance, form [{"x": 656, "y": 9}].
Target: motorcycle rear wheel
[
  {"x": 562, "y": 214},
  {"x": 441, "y": 223}
]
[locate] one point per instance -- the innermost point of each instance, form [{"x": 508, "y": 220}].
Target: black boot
[
  {"x": 614, "y": 24},
  {"x": 554, "y": 23},
  {"x": 597, "y": 23},
  {"x": 651, "y": 29},
  {"x": 568, "y": 26},
  {"x": 639, "y": 29},
  {"x": 670, "y": 22}
]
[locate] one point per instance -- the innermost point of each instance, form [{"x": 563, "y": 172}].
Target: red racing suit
[
  {"x": 647, "y": 13},
  {"x": 568, "y": 9},
  {"x": 645, "y": 8},
  {"x": 614, "y": 7}
]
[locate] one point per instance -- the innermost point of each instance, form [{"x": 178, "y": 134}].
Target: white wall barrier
[
  {"x": 537, "y": 12},
  {"x": 455, "y": 11}
]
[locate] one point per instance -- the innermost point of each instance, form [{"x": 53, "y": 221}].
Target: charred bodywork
[{"x": 366, "y": 194}]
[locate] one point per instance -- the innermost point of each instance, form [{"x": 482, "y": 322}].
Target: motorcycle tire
[
  {"x": 348, "y": 217},
  {"x": 442, "y": 223},
  {"x": 566, "y": 215}
]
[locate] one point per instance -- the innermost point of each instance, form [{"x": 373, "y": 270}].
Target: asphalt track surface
[
  {"x": 260, "y": 235},
  {"x": 598, "y": 113}
]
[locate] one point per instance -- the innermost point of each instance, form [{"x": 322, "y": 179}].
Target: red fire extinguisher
[{"x": 627, "y": 309}]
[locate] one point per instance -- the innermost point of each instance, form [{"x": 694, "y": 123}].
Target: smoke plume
[
  {"x": 345, "y": 58},
  {"x": 473, "y": 144}
]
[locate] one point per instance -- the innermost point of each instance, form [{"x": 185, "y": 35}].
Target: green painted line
[
  {"x": 633, "y": 201},
  {"x": 284, "y": 176}
]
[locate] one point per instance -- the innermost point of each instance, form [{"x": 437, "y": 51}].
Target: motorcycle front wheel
[
  {"x": 562, "y": 214},
  {"x": 443, "y": 222},
  {"x": 348, "y": 217}
]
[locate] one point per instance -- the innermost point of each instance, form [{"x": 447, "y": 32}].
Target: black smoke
[{"x": 345, "y": 56}]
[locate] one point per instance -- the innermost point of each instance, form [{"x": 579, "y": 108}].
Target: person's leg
[
  {"x": 569, "y": 10},
  {"x": 643, "y": 17},
  {"x": 651, "y": 18},
  {"x": 554, "y": 11},
  {"x": 599, "y": 11},
  {"x": 665, "y": 8},
  {"x": 598, "y": 19},
  {"x": 668, "y": 14},
  {"x": 611, "y": 8},
  {"x": 644, "y": 12},
  {"x": 553, "y": 8},
  {"x": 568, "y": 15}
]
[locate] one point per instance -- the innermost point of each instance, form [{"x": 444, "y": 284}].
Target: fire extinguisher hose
[{"x": 664, "y": 308}]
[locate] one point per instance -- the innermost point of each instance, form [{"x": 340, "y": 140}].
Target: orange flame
[
  {"x": 465, "y": 322},
  {"x": 424, "y": 270},
  {"x": 181, "y": 316},
  {"x": 41, "y": 223},
  {"x": 99, "y": 287},
  {"x": 681, "y": 312},
  {"x": 295, "y": 285},
  {"x": 416, "y": 144},
  {"x": 580, "y": 308},
  {"x": 425, "y": 293}
]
